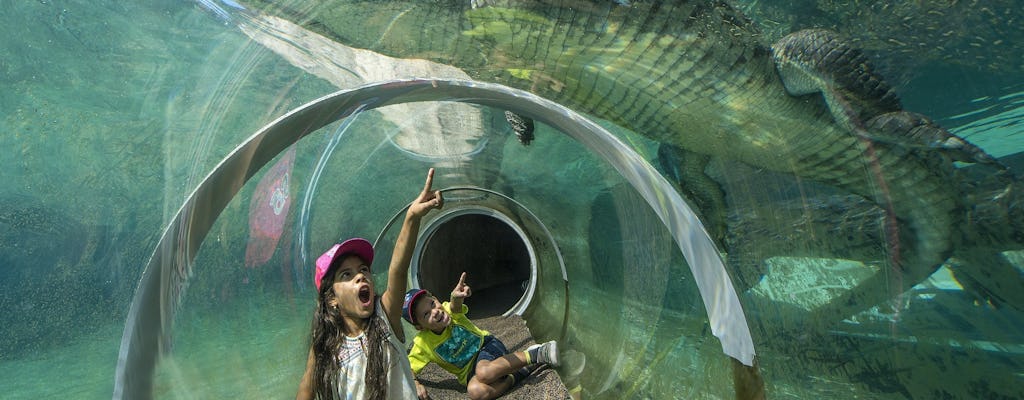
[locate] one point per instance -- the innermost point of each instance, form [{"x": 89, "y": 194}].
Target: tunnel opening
[{"x": 494, "y": 252}]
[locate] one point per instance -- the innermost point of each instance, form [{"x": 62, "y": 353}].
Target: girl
[{"x": 356, "y": 350}]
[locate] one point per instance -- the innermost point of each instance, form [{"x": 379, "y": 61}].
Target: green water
[{"x": 112, "y": 112}]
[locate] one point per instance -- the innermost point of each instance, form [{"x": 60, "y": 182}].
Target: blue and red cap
[
  {"x": 410, "y": 299},
  {"x": 358, "y": 246}
]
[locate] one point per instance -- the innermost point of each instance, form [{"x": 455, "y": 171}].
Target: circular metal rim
[{"x": 446, "y": 216}]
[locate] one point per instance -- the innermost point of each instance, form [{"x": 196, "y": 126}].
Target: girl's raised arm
[{"x": 398, "y": 271}]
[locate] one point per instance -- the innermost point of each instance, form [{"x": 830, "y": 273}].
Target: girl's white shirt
[{"x": 352, "y": 357}]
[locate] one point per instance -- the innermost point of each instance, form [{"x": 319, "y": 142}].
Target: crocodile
[{"x": 698, "y": 77}]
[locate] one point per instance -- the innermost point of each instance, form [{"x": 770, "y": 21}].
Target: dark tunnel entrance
[{"x": 494, "y": 253}]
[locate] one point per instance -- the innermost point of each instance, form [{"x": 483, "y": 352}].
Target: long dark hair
[{"x": 328, "y": 337}]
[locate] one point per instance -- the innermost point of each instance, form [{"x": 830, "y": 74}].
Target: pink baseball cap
[{"x": 358, "y": 246}]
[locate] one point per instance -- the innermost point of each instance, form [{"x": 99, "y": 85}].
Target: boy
[{"x": 478, "y": 359}]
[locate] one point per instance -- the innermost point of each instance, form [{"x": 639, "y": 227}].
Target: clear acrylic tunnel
[
  {"x": 573, "y": 231},
  {"x": 171, "y": 169}
]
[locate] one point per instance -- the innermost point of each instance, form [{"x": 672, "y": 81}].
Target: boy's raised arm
[
  {"x": 460, "y": 292},
  {"x": 399, "y": 269}
]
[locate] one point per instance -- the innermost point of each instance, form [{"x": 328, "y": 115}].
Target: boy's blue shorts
[{"x": 491, "y": 350}]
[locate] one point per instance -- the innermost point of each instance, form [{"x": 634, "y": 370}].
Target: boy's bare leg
[
  {"x": 492, "y": 376},
  {"x": 478, "y": 390},
  {"x": 494, "y": 370}
]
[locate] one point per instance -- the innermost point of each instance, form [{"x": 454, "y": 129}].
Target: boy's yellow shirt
[{"x": 455, "y": 349}]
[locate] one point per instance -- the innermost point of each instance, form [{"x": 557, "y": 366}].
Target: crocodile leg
[{"x": 687, "y": 170}]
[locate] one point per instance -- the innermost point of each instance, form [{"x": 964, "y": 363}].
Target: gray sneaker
[{"x": 547, "y": 353}]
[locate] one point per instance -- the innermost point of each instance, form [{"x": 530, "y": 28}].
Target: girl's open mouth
[{"x": 365, "y": 297}]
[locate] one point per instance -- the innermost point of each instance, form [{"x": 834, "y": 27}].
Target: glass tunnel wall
[
  {"x": 374, "y": 167},
  {"x": 896, "y": 277},
  {"x": 548, "y": 287}
]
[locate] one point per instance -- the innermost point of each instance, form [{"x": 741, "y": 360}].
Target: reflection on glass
[{"x": 867, "y": 265}]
